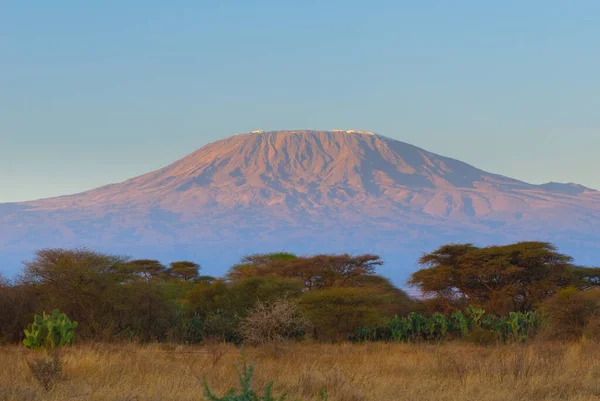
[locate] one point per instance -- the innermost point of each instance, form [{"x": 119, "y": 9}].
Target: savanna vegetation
[{"x": 489, "y": 325}]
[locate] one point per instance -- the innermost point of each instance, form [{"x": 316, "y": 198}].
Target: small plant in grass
[
  {"x": 46, "y": 369},
  {"x": 246, "y": 393},
  {"x": 216, "y": 350},
  {"x": 46, "y": 335}
]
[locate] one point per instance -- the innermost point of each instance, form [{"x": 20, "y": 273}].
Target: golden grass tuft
[{"x": 376, "y": 371}]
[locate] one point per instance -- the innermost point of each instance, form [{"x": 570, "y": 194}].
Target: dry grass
[{"x": 381, "y": 372}]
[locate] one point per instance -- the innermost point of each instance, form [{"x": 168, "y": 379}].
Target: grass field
[{"x": 377, "y": 371}]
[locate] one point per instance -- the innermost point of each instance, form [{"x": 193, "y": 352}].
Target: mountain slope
[{"x": 306, "y": 190}]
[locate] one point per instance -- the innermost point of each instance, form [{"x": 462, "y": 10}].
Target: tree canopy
[
  {"x": 115, "y": 297},
  {"x": 498, "y": 278},
  {"x": 185, "y": 270},
  {"x": 315, "y": 272}
]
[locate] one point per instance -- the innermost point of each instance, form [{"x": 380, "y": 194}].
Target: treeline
[{"x": 501, "y": 292}]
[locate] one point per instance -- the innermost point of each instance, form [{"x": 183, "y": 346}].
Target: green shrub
[
  {"x": 193, "y": 330},
  {"x": 222, "y": 326},
  {"x": 50, "y": 331},
  {"x": 246, "y": 393}
]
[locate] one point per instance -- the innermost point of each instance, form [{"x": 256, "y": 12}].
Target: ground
[{"x": 349, "y": 372}]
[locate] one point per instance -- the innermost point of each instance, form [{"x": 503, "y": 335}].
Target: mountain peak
[
  {"x": 310, "y": 170},
  {"x": 347, "y": 188},
  {"x": 303, "y": 131}
]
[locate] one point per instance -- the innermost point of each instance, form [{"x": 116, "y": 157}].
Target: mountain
[{"x": 306, "y": 191}]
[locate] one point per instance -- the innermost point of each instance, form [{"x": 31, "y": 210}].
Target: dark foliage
[{"x": 115, "y": 298}]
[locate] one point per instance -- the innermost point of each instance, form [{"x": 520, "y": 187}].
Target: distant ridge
[{"x": 570, "y": 188}]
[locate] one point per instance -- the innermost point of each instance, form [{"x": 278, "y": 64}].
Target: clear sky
[{"x": 93, "y": 93}]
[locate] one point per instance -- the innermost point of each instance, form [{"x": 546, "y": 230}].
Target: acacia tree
[
  {"x": 147, "y": 269},
  {"x": 586, "y": 277},
  {"x": 107, "y": 294},
  {"x": 153, "y": 311},
  {"x": 184, "y": 270},
  {"x": 259, "y": 264},
  {"x": 82, "y": 283},
  {"x": 148, "y": 295},
  {"x": 315, "y": 272},
  {"x": 498, "y": 278},
  {"x": 239, "y": 296},
  {"x": 336, "y": 312},
  {"x": 335, "y": 270}
]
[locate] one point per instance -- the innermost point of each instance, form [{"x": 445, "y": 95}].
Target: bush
[
  {"x": 273, "y": 323},
  {"x": 193, "y": 330},
  {"x": 18, "y": 304},
  {"x": 337, "y": 312},
  {"x": 46, "y": 369},
  {"x": 221, "y": 326},
  {"x": 570, "y": 312}
]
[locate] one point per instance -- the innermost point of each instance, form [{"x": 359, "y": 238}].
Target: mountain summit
[{"x": 307, "y": 191}]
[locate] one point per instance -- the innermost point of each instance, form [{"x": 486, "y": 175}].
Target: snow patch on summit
[{"x": 353, "y": 131}]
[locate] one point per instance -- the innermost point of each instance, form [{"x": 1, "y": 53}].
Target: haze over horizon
[{"x": 98, "y": 93}]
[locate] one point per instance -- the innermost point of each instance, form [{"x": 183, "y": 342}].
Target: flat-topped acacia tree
[
  {"x": 497, "y": 278},
  {"x": 316, "y": 272},
  {"x": 184, "y": 270}
]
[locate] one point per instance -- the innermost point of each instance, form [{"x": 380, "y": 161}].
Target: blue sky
[{"x": 97, "y": 92}]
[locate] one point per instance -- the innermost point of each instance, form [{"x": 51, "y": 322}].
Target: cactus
[
  {"x": 533, "y": 321},
  {"x": 517, "y": 326},
  {"x": 440, "y": 323},
  {"x": 429, "y": 328},
  {"x": 460, "y": 322},
  {"x": 398, "y": 329},
  {"x": 365, "y": 333},
  {"x": 487, "y": 322},
  {"x": 475, "y": 315},
  {"x": 417, "y": 324},
  {"x": 515, "y": 322},
  {"x": 50, "y": 331}
]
